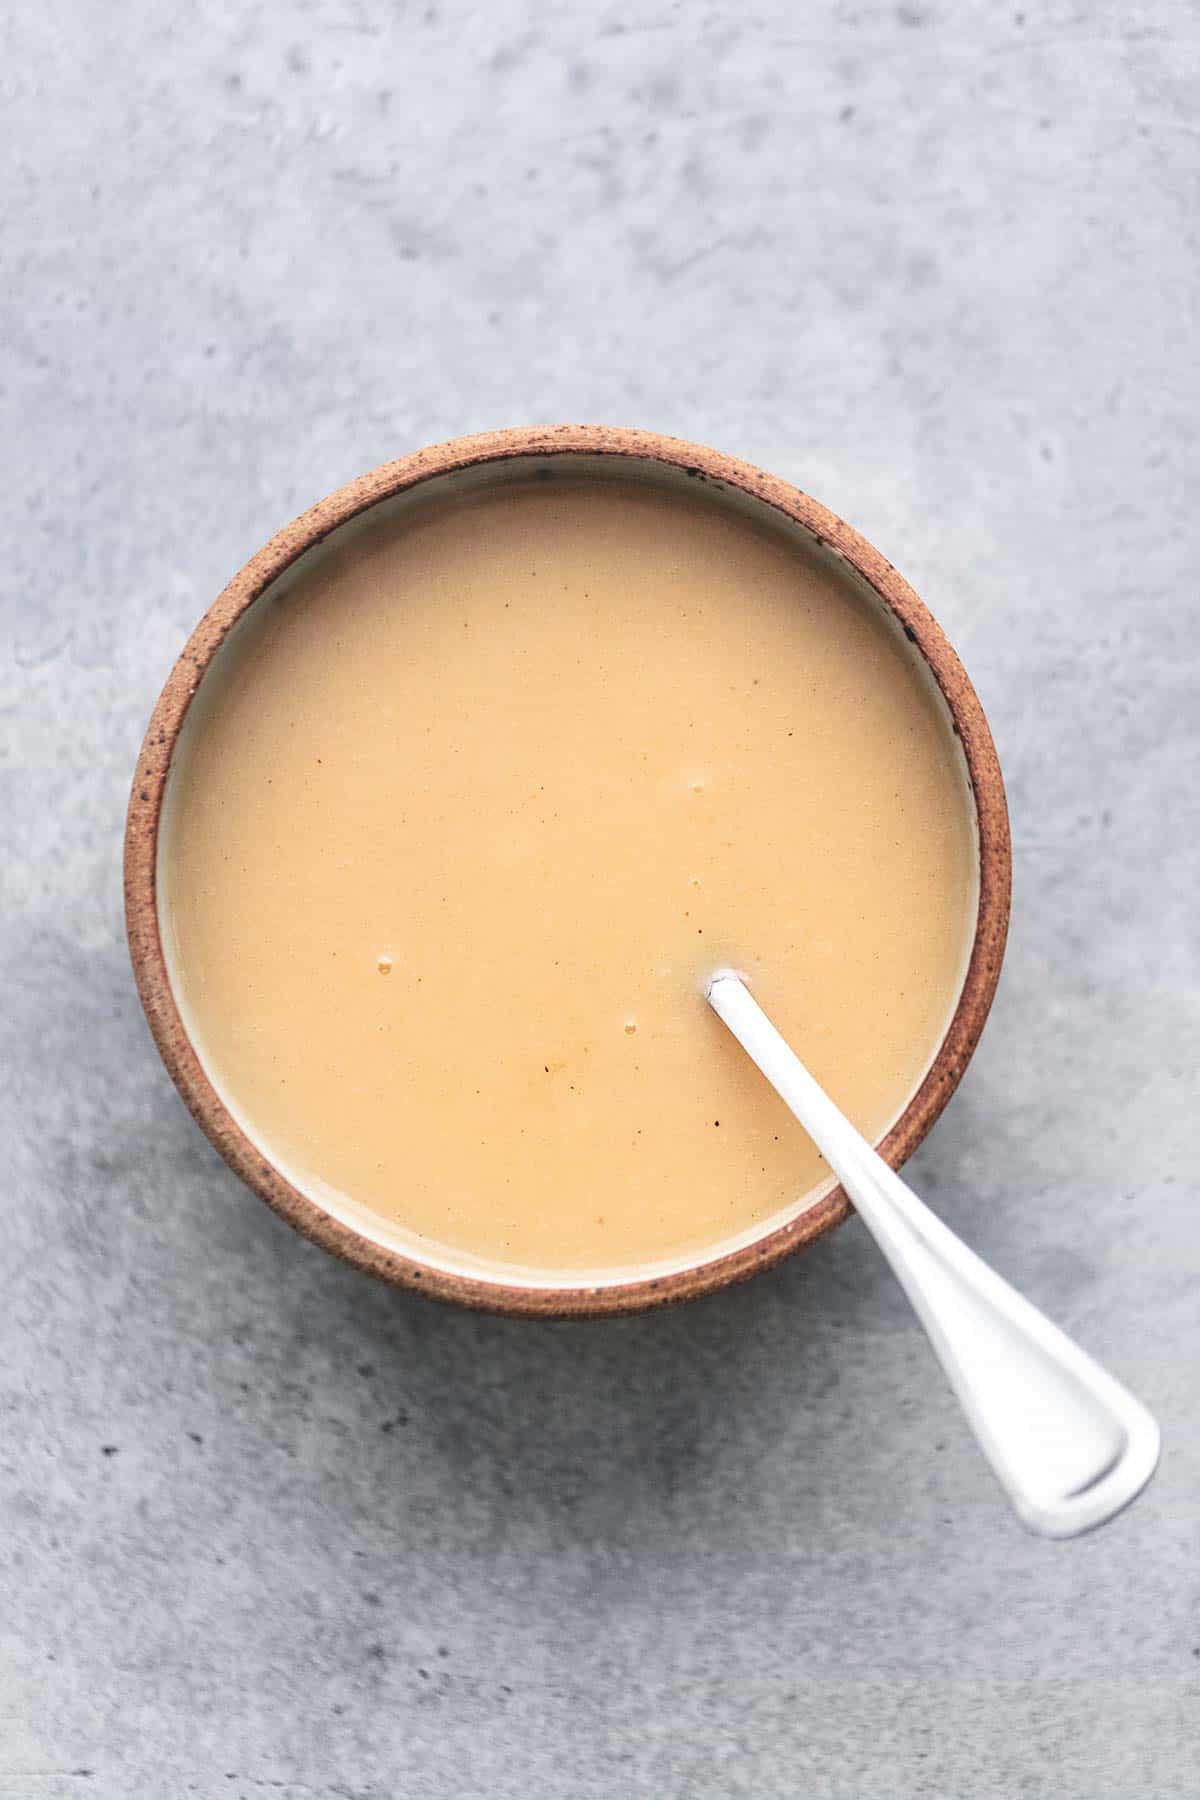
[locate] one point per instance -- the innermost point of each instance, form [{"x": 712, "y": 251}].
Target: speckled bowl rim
[{"x": 145, "y": 812}]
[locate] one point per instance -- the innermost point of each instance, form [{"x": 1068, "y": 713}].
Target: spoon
[{"x": 1068, "y": 1443}]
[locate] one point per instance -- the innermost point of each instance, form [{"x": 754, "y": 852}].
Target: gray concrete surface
[{"x": 269, "y": 1530}]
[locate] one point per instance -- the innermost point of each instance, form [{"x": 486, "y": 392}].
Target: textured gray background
[{"x": 269, "y": 1530}]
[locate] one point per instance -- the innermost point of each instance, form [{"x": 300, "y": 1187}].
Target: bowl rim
[{"x": 145, "y": 813}]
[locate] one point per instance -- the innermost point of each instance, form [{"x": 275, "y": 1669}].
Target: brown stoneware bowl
[{"x": 723, "y": 474}]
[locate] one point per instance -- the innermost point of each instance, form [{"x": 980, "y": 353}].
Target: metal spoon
[{"x": 1069, "y": 1444}]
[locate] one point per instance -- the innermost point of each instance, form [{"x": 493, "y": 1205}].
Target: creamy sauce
[{"x": 466, "y": 809}]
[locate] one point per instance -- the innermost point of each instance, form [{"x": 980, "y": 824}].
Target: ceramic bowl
[{"x": 741, "y": 485}]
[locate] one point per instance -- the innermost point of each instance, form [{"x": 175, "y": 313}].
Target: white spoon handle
[{"x": 1069, "y": 1444}]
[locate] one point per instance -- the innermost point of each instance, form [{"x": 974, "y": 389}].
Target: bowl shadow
[{"x": 598, "y": 1433}]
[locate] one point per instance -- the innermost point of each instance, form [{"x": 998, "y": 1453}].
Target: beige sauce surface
[{"x": 459, "y": 822}]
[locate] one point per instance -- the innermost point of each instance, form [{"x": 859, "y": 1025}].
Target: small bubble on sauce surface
[{"x": 384, "y": 964}]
